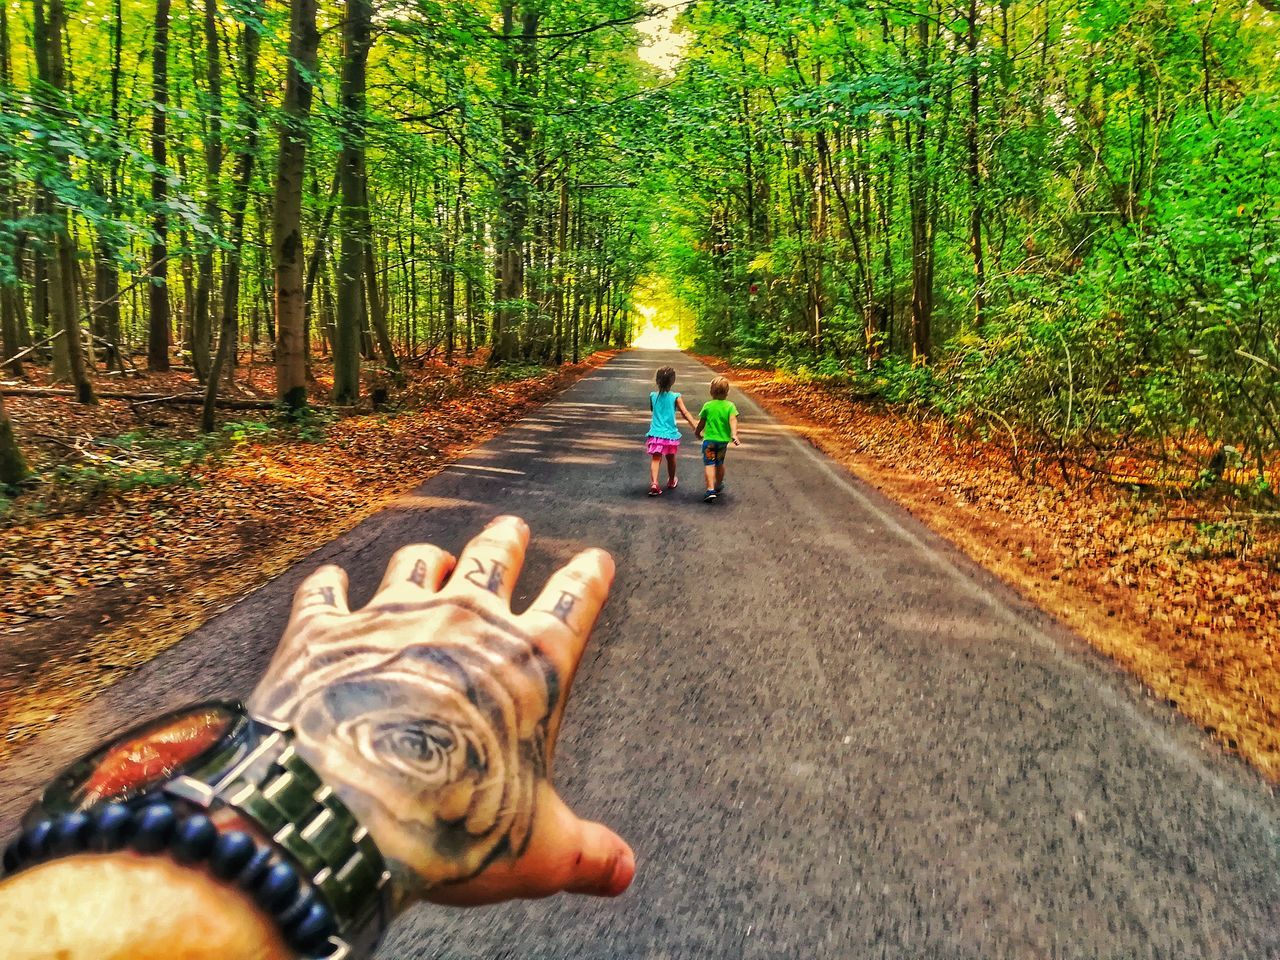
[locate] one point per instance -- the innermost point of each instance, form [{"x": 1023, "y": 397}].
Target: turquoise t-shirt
[
  {"x": 716, "y": 413},
  {"x": 663, "y": 425}
]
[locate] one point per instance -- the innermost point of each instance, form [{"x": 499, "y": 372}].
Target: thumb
[
  {"x": 597, "y": 861},
  {"x": 564, "y": 853}
]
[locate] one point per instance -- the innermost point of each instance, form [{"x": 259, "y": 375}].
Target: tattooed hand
[{"x": 434, "y": 711}]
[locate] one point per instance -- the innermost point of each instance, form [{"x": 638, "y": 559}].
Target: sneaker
[
  {"x": 719, "y": 488},
  {"x": 655, "y": 490},
  {"x": 710, "y": 495},
  {"x": 673, "y": 483}
]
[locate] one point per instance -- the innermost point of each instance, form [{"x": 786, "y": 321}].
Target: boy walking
[{"x": 718, "y": 427}]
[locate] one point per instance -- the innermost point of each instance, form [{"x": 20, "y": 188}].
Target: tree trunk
[
  {"x": 518, "y": 68},
  {"x": 39, "y": 270},
  {"x": 158, "y": 325},
  {"x": 249, "y": 42},
  {"x": 922, "y": 246},
  {"x": 63, "y": 308},
  {"x": 10, "y": 290},
  {"x": 286, "y": 240},
  {"x": 376, "y": 298},
  {"x": 975, "y": 169},
  {"x": 352, "y": 242},
  {"x": 202, "y": 312},
  {"x": 13, "y": 466},
  {"x": 109, "y": 240},
  {"x": 562, "y": 253}
]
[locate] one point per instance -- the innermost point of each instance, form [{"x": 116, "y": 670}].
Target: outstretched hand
[{"x": 434, "y": 712}]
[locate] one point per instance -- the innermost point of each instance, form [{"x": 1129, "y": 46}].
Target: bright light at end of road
[{"x": 653, "y": 335}]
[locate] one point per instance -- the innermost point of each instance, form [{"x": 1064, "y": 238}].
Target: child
[
  {"x": 664, "y": 435},
  {"x": 719, "y": 423}
]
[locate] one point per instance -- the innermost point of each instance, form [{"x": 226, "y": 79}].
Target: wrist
[
  {"x": 124, "y": 906},
  {"x": 406, "y": 886}
]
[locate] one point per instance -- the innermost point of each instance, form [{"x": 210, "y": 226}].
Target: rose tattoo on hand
[{"x": 434, "y": 712}]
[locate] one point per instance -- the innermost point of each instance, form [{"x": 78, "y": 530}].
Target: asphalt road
[{"x": 825, "y": 733}]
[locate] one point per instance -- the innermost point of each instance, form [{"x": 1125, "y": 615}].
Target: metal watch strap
[{"x": 279, "y": 792}]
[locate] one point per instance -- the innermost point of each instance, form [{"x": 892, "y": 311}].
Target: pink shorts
[{"x": 659, "y": 447}]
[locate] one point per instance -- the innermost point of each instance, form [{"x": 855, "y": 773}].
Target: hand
[
  {"x": 737, "y": 442},
  {"x": 698, "y": 434},
  {"x": 434, "y": 711}
]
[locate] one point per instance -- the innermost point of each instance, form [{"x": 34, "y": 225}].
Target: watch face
[{"x": 148, "y": 756}]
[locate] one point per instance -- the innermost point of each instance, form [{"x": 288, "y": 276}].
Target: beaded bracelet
[{"x": 232, "y": 856}]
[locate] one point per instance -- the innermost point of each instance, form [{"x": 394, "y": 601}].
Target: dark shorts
[{"x": 713, "y": 452}]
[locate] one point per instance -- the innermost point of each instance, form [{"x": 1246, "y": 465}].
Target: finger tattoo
[
  {"x": 320, "y": 597},
  {"x": 564, "y": 607},
  {"x": 419, "y": 575},
  {"x": 487, "y": 578}
]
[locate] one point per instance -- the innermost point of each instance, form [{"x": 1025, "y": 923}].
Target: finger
[
  {"x": 491, "y": 562},
  {"x": 569, "y": 605},
  {"x": 324, "y": 591},
  {"x": 419, "y": 566}
]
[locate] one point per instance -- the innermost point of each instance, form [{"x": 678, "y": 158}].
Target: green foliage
[
  {"x": 307, "y": 423},
  {"x": 110, "y": 477},
  {"x": 478, "y": 377},
  {"x": 1119, "y": 157}
]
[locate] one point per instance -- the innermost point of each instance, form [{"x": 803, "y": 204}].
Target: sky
[{"x": 663, "y": 47}]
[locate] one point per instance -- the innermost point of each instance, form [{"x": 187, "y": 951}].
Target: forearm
[{"x": 130, "y": 907}]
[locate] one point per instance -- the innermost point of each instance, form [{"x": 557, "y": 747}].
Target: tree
[
  {"x": 288, "y": 259},
  {"x": 202, "y": 312},
  {"x": 63, "y": 307},
  {"x": 519, "y": 66},
  {"x": 251, "y": 15},
  {"x": 10, "y": 295},
  {"x": 428, "y": 188},
  {"x": 109, "y": 242},
  {"x": 158, "y": 331},
  {"x": 13, "y": 466},
  {"x": 354, "y": 241}
]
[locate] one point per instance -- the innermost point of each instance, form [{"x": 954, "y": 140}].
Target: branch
[
  {"x": 423, "y": 117},
  {"x": 187, "y": 398},
  {"x": 626, "y": 21}
]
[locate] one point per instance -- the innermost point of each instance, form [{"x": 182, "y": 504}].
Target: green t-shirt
[{"x": 717, "y": 413}]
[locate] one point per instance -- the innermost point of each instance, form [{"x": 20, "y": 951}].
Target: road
[{"x": 826, "y": 734}]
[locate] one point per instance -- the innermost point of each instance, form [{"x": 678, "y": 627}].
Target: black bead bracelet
[{"x": 232, "y": 856}]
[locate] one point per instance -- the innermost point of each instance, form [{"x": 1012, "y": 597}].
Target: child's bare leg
[
  {"x": 671, "y": 467},
  {"x": 655, "y": 463},
  {"x": 711, "y": 476},
  {"x": 719, "y": 475}
]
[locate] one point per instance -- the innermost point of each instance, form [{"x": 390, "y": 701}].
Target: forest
[
  {"x": 194, "y": 184},
  {"x": 1058, "y": 219}
]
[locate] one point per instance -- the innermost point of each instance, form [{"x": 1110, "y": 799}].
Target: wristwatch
[{"x": 211, "y": 784}]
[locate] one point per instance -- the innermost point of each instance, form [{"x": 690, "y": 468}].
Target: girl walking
[{"x": 664, "y": 435}]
